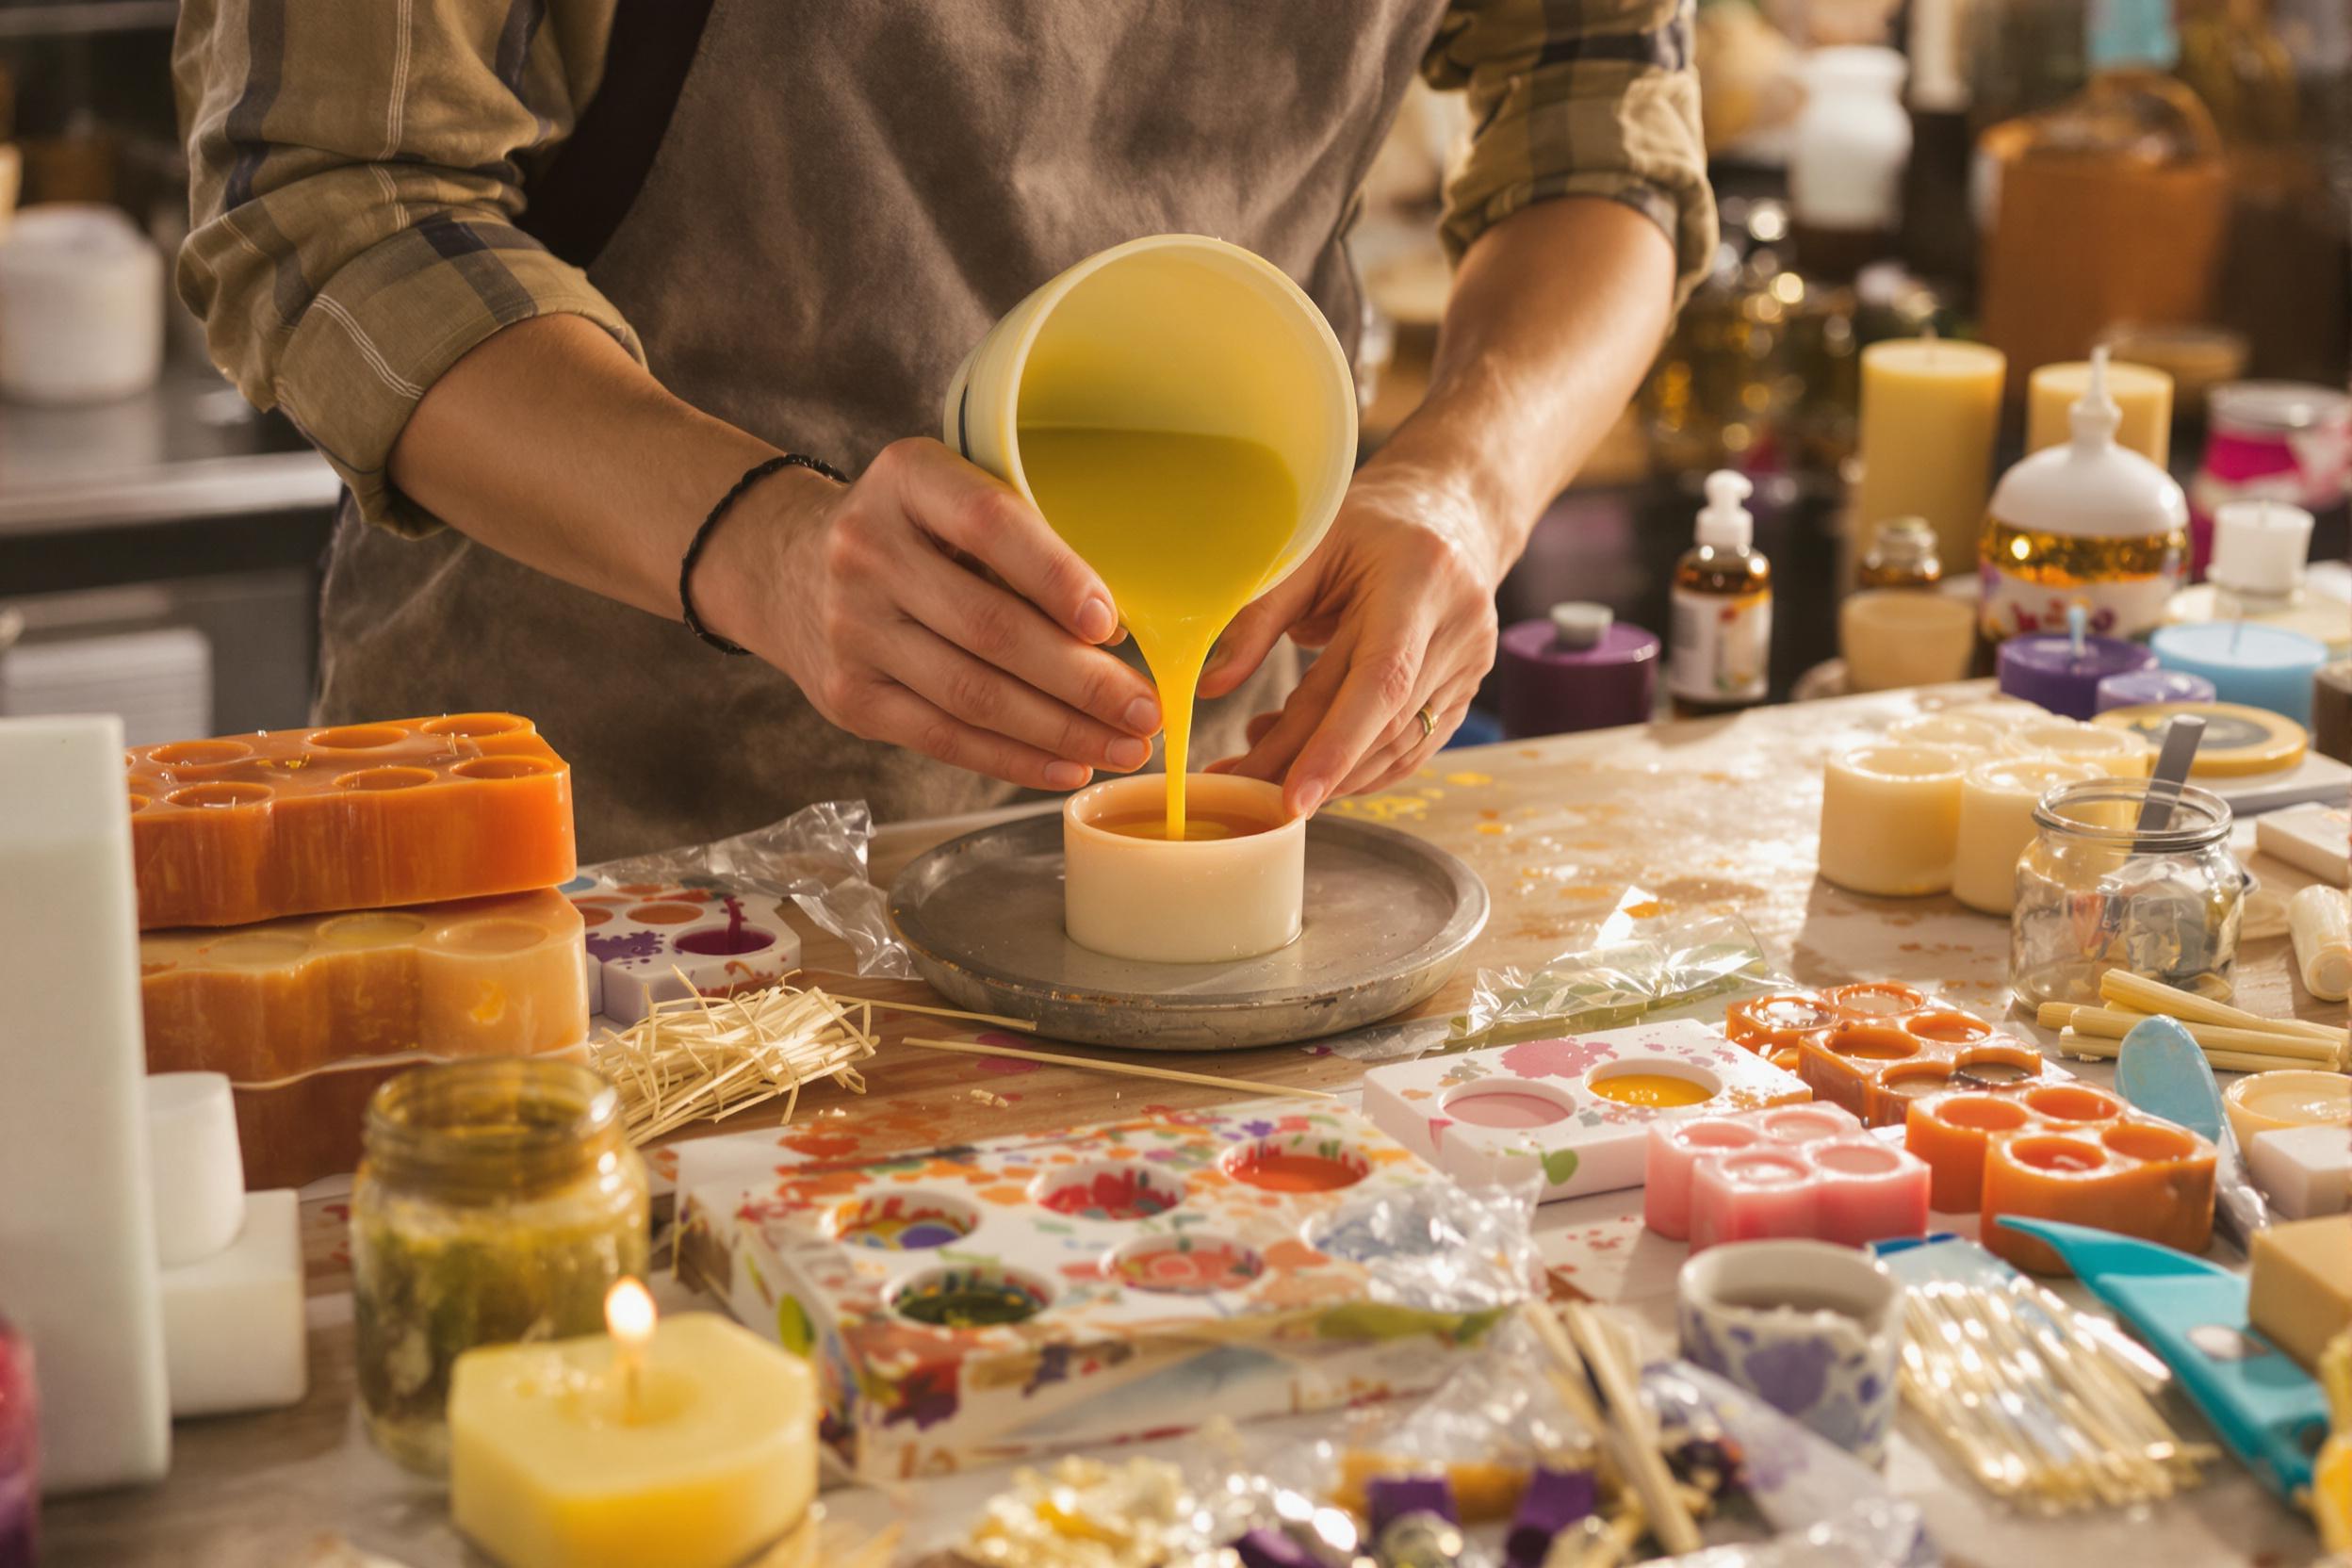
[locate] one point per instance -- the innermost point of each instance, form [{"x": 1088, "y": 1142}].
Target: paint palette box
[
  {"x": 1001, "y": 1300},
  {"x": 652, "y": 941},
  {"x": 1572, "y": 1114},
  {"x": 359, "y": 816}
]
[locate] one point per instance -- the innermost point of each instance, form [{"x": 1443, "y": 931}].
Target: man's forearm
[
  {"x": 1556, "y": 315},
  {"x": 549, "y": 443}
]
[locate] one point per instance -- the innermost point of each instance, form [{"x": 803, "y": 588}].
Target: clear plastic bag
[
  {"x": 816, "y": 858},
  {"x": 1698, "y": 964}
]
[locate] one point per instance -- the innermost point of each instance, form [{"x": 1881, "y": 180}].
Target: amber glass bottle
[{"x": 1720, "y": 646}]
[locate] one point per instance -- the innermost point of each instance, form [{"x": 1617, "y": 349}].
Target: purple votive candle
[
  {"x": 1388, "y": 1498},
  {"x": 1554, "y": 1499},
  {"x": 1578, "y": 668},
  {"x": 19, "y": 1453},
  {"x": 2134, "y": 688},
  {"x": 2053, "y": 672}
]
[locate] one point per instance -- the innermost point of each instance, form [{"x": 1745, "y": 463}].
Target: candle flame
[{"x": 628, "y": 1313}]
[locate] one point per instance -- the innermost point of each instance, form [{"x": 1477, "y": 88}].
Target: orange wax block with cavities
[
  {"x": 301, "y": 1014},
  {"x": 245, "y": 828},
  {"x": 2065, "y": 1151},
  {"x": 1876, "y": 1065},
  {"x": 1774, "y": 1026}
]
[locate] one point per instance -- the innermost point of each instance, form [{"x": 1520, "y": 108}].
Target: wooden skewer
[
  {"x": 1001, "y": 1023},
  {"x": 1670, "y": 1520},
  {"x": 2126, "y": 990},
  {"x": 2100, "y": 1048},
  {"x": 2115, "y": 1023},
  {"x": 1131, "y": 1070}
]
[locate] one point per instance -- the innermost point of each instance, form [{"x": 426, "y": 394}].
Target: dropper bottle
[{"x": 1719, "y": 656}]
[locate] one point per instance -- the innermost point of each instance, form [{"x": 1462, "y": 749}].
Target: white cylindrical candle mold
[
  {"x": 1195, "y": 901},
  {"x": 194, "y": 1166},
  {"x": 1997, "y": 824},
  {"x": 1890, "y": 818}
]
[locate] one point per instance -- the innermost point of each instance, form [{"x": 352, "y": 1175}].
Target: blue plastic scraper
[
  {"x": 2269, "y": 1410},
  {"x": 2160, "y": 1070}
]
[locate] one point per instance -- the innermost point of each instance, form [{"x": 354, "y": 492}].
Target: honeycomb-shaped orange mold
[
  {"x": 286, "y": 1008},
  {"x": 252, "y": 828},
  {"x": 2066, "y": 1152}
]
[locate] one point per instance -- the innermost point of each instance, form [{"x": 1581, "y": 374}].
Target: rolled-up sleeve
[
  {"x": 356, "y": 177},
  {"x": 1578, "y": 98}
]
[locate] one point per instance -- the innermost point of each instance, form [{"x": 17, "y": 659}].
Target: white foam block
[
  {"x": 2304, "y": 1172},
  {"x": 194, "y": 1166},
  {"x": 2317, "y": 838},
  {"x": 77, "y": 1244},
  {"x": 232, "y": 1324}
]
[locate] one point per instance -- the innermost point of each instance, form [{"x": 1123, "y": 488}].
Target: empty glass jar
[{"x": 2096, "y": 892}]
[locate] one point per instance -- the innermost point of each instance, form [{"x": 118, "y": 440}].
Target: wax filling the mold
[
  {"x": 726, "y": 943},
  {"x": 1293, "y": 1171},
  {"x": 1505, "y": 1108},
  {"x": 1995, "y": 1073},
  {"x": 1877, "y": 1000},
  {"x": 1125, "y": 1193},
  {"x": 1200, "y": 826},
  {"x": 1183, "y": 528},
  {"x": 1658, "y": 1090}
]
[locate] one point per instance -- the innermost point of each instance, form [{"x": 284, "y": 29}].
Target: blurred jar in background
[{"x": 1901, "y": 555}]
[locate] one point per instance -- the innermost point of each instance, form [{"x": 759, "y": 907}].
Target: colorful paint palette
[
  {"x": 1573, "y": 1112},
  {"x": 650, "y": 942},
  {"x": 996, "y": 1300},
  {"x": 2065, "y": 1151},
  {"x": 307, "y": 1014},
  {"x": 255, "y": 827},
  {"x": 1801, "y": 1171}
]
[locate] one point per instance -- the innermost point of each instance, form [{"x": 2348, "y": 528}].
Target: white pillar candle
[
  {"x": 1890, "y": 818},
  {"x": 77, "y": 1243},
  {"x": 194, "y": 1168},
  {"x": 2114, "y": 753},
  {"x": 1199, "y": 901},
  {"x": 1997, "y": 824}
]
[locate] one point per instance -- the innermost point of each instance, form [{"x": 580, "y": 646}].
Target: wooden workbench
[{"x": 1578, "y": 838}]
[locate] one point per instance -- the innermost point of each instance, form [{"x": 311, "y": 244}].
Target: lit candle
[
  {"x": 2261, "y": 666},
  {"x": 1891, "y": 819},
  {"x": 1930, "y": 410},
  {"x": 2143, "y": 396},
  {"x": 692, "y": 1443},
  {"x": 20, "y": 1454},
  {"x": 1997, "y": 824}
]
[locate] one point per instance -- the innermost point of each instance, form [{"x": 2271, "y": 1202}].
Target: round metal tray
[{"x": 1387, "y": 918}]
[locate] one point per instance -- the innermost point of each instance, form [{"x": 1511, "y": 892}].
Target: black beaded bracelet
[{"x": 752, "y": 476}]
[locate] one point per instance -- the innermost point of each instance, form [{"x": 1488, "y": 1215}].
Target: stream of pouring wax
[{"x": 1185, "y": 531}]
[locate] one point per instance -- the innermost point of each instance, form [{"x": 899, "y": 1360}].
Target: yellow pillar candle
[
  {"x": 691, "y": 1445},
  {"x": 1890, "y": 818},
  {"x": 2142, "y": 395},
  {"x": 1997, "y": 822},
  {"x": 2115, "y": 752},
  {"x": 1930, "y": 411}
]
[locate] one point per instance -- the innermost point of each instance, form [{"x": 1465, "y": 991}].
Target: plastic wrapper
[
  {"x": 816, "y": 858},
  {"x": 1699, "y": 965}
]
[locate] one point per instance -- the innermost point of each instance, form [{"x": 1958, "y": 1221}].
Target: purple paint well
[{"x": 735, "y": 939}]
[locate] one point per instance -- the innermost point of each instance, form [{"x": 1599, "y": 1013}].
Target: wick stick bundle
[
  {"x": 1131, "y": 1070},
  {"x": 2037, "y": 1406},
  {"x": 2232, "y": 1038},
  {"x": 698, "y": 1058}
]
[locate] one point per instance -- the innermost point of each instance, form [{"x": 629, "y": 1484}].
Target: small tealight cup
[
  {"x": 1893, "y": 637},
  {"x": 1202, "y": 901}
]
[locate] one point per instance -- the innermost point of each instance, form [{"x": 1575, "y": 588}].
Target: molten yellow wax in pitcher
[{"x": 1183, "y": 530}]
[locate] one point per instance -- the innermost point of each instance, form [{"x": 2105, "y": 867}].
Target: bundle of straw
[{"x": 698, "y": 1058}]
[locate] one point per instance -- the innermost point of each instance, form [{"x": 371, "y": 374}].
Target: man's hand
[
  {"x": 929, "y": 606},
  {"x": 1400, "y": 598}
]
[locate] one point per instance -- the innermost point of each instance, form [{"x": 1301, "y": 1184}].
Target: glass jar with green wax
[{"x": 497, "y": 1202}]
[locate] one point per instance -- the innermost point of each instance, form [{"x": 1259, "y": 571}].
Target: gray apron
[{"x": 847, "y": 195}]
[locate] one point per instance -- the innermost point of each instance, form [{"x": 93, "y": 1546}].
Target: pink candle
[
  {"x": 1751, "y": 1194},
  {"x": 1851, "y": 1189},
  {"x": 1677, "y": 1148},
  {"x": 1871, "y": 1191},
  {"x": 19, "y": 1453}
]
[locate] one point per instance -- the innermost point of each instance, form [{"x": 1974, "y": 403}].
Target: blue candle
[{"x": 2261, "y": 666}]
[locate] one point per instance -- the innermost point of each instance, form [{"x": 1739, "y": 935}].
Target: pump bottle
[{"x": 1722, "y": 641}]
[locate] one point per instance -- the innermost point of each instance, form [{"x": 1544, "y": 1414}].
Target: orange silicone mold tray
[
  {"x": 1876, "y": 1066},
  {"x": 285, "y": 1008},
  {"x": 2066, "y": 1152},
  {"x": 290, "y": 822}
]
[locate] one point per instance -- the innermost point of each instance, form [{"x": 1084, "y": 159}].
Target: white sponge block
[
  {"x": 233, "y": 1332},
  {"x": 2304, "y": 1172},
  {"x": 194, "y": 1166}
]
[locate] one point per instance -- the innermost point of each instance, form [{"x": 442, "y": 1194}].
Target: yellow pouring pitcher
[{"x": 1182, "y": 416}]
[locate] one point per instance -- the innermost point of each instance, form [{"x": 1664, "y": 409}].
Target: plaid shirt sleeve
[
  {"x": 1578, "y": 98},
  {"x": 354, "y": 175}
]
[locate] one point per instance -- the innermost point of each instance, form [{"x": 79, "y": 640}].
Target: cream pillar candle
[
  {"x": 1960, "y": 730},
  {"x": 1890, "y": 818},
  {"x": 2114, "y": 753},
  {"x": 1892, "y": 637},
  {"x": 2143, "y": 395},
  {"x": 1930, "y": 411},
  {"x": 1997, "y": 824}
]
